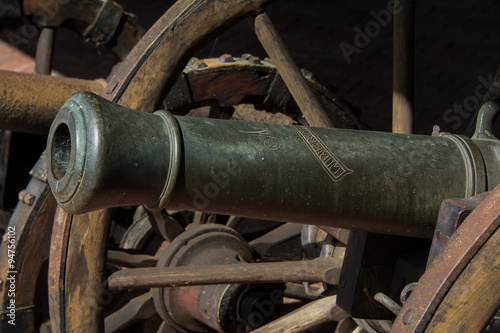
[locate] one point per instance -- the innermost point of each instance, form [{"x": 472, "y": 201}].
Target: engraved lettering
[
  {"x": 270, "y": 142},
  {"x": 335, "y": 169}
]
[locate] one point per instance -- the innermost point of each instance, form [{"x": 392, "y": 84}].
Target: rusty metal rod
[
  {"x": 403, "y": 67},
  {"x": 29, "y": 103},
  {"x": 287, "y": 68},
  {"x": 317, "y": 270},
  {"x": 387, "y": 302}
]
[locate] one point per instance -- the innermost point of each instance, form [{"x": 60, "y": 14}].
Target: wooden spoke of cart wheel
[
  {"x": 307, "y": 318},
  {"x": 296, "y": 83},
  {"x": 138, "y": 308},
  {"x": 130, "y": 260},
  {"x": 317, "y": 270}
]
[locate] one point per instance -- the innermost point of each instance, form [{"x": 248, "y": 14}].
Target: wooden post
[{"x": 404, "y": 40}]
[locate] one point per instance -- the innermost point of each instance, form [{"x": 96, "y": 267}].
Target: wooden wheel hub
[{"x": 194, "y": 308}]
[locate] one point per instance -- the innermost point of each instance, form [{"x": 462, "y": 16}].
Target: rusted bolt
[
  {"x": 255, "y": 60},
  {"x": 198, "y": 64},
  {"x": 225, "y": 58},
  {"x": 26, "y": 197},
  {"x": 438, "y": 235},
  {"x": 246, "y": 56},
  {"x": 307, "y": 74},
  {"x": 408, "y": 316},
  {"x": 192, "y": 61},
  {"x": 436, "y": 130}
]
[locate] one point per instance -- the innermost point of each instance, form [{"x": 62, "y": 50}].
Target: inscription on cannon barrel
[{"x": 330, "y": 163}]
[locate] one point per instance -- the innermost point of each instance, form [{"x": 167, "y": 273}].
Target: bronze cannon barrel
[
  {"x": 29, "y": 102},
  {"x": 104, "y": 155}
]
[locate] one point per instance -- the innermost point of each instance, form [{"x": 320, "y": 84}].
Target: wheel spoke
[
  {"x": 44, "y": 50},
  {"x": 130, "y": 260},
  {"x": 317, "y": 270},
  {"x": 275, "y": 237},
  {"x": 164, "y": 225},
  {"x": 404, "y": 50},
  {"x": 138, "y": 308},
  {"x": 294, "y": 80},
  {"x": 307, "y": 318}
]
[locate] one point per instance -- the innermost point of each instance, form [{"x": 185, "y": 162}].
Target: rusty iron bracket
[
  {"x": 102, "y": 30},
  {"x": 451, "y": 215}
]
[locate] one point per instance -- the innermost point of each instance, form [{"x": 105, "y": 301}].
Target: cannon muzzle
[{"x": 104, "y": 155}]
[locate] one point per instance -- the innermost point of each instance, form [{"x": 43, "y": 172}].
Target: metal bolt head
[
  {"x": 225, "y": 58},
  {"x": 246, "y": 56},
  {"x": 408, "y": 316},
  {"x": 255, "y": 60},
  {"x": 307, "y": 74},
  {"x": 192, "y": 61},
  {"x": 199, "y": 64}
]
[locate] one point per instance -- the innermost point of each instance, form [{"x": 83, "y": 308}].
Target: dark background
[{"x": 456, "y": 46}]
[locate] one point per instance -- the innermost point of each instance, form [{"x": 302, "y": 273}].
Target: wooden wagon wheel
[
  {"x": 459, "y": 291},
  {"x": 26, "y": 240},
  {"x": 79, "y": 242}
]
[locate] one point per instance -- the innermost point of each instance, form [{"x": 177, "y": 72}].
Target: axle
[
  {"x": 104, "y": 155},
  {"x": 28, "y": 102}
]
